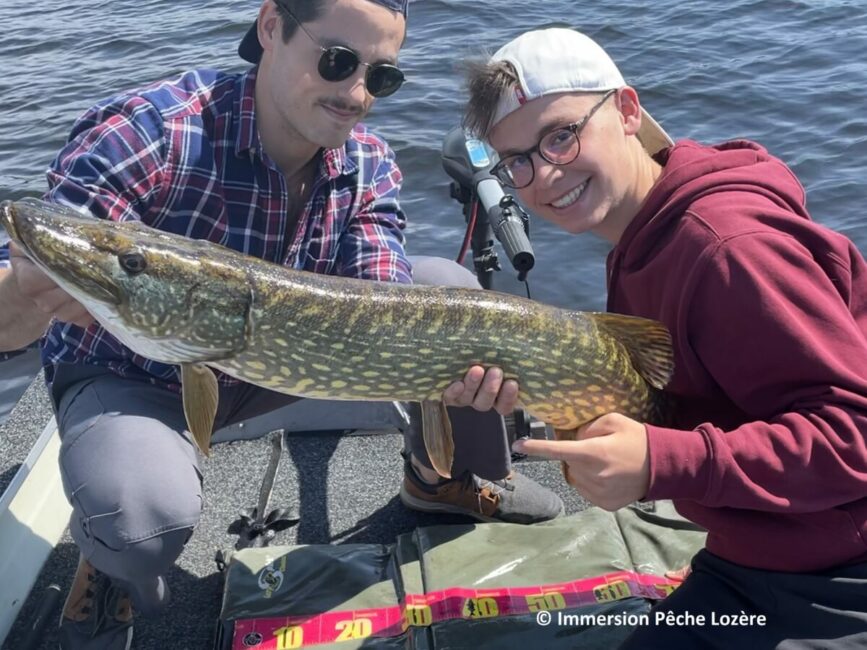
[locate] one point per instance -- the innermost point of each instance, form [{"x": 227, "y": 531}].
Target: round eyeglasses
[
  {"x": 558, "y": 147},
  {"x": 339, "y": 62}
]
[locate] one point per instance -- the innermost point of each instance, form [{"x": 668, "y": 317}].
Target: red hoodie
[{"x": 768, "y": 314}]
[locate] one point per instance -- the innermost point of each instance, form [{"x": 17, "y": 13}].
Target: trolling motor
[
  {"x": 489, "y": 213},
  {"x": 488, "y": 210}
]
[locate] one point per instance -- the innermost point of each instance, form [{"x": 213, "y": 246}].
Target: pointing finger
[{"x": 551, "y": 449}]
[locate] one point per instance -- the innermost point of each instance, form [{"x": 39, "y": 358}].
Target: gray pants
[{"x": 131, "y": 473}]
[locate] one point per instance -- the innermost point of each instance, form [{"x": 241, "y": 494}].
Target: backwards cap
[
  {"x": 250, "y": 49},
  {"x": 561, "y": 60}
]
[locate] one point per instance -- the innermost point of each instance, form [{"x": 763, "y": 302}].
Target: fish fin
[
  {"x": 201, "y": 395},
  {"x": 436, "y": 429},
  {"x": 565, "y": 434},
  {"x": 648, "y": 343}
]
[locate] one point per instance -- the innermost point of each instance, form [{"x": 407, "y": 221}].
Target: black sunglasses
[{"x": 338, "y": 63}]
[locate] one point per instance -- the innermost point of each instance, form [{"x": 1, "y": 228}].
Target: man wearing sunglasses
[
  {"x": 767, "y": 309},
  {"x": 272, "y": 162}
]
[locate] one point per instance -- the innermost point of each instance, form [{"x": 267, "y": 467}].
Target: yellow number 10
[{"x": 289, "y": 638}]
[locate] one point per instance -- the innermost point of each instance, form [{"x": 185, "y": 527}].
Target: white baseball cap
[{"x": 561, "y": 60}]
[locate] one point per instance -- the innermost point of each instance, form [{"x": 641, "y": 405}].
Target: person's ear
[
  {"x": 268, "y": 25},
  {"x": 630, "y": 110}
]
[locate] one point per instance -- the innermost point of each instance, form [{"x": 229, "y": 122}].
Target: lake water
[{"x": 790, "y": 74}]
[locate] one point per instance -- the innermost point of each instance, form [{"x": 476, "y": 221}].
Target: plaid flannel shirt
[{"x": 185, "y": 156}]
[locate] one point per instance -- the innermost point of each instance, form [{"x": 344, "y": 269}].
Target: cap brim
[
  {"x": 652, "y": 136},
  {"x": 250, "y": 49}
]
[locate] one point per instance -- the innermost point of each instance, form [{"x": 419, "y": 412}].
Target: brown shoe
[
  {"x": 514, "y": 499},
  {"x": 96, "y": 614}
]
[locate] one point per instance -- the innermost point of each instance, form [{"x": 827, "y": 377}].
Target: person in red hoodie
[{"x": 767, "y": 311}]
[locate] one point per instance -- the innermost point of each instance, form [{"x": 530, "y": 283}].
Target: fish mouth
[
  {"x": 50, "y": 242},
  {"x": 7, "y": 220}
]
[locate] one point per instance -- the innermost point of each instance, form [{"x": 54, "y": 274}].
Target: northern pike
[{"x": 200, "y": 305}]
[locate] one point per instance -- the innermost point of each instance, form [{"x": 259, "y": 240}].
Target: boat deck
[{"x": 344, "y": 487}]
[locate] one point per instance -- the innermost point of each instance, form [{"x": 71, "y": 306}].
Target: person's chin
[
  {"x": 575, "y": 220},
  {"x": 335, "y": 134},
  {"x": 335, "y": 138},
  {"x": 330, "y": 136}
]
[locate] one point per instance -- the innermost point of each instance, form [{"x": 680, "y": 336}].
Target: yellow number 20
[{"x": 359, "y": 628}]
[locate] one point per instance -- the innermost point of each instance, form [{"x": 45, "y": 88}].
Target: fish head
[
  {"x": 166, "y": 297},
  {"x": 55, "y": 239}
]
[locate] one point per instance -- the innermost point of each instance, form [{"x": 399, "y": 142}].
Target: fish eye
[{"x": 132, "y": 263}]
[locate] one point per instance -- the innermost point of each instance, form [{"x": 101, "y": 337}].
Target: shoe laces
[
  {"x": 495, "y": 488},
  {"x": 115, "y": 603},
  {"x": 106, "y": 602},
  {"x": 84, "y": 604}
]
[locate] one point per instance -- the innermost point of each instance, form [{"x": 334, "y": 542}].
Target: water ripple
[{"x": 788, "y": 73}]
